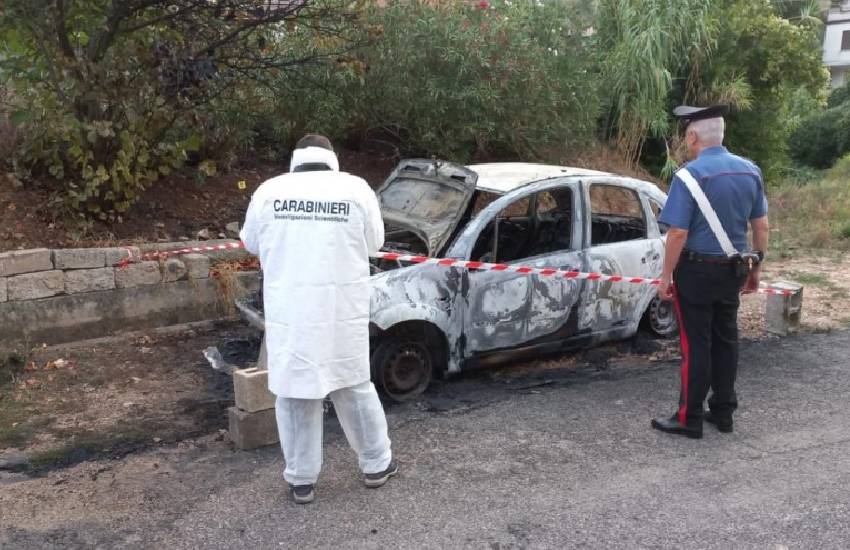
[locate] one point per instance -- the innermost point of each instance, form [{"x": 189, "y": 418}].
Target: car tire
[
  {"x": 402, "y": 366},
  {"x": 660, "y": 319}
]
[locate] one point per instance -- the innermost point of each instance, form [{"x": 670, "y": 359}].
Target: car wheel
[
  {"x": 402, "y": 366},
  {"x": 660, "y": 318}
]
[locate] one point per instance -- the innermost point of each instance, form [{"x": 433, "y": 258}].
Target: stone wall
[{"x": 55, "y": 296}]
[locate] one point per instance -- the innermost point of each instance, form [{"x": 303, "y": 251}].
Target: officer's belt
[{"x": 691, "y": 256}]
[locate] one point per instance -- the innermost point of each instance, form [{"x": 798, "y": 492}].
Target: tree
[
  {"x": 460, "y": 79},
  {"x": 111, "y": 91},
  {"x": 647, "y": 45},
  {"x": 823, "y": 137},
  {"x": 759, "y": 63}
]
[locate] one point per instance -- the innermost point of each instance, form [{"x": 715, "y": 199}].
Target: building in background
[{"x": 836, "y": 42}]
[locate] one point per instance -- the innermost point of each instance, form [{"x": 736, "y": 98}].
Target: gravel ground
[{"x": 550, "y": 458}]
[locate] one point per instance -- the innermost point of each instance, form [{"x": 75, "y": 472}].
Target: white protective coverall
[{"x": 314, "y": 232}]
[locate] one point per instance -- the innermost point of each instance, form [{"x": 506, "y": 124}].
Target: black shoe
[
  {"x": 373, "y": 481},
  {"x": 723, "y": 424},
  {"x": 673, "y": 426},
  {"x": 302, "y": 494}
]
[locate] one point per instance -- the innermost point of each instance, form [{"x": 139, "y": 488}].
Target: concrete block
[
  {"x": 252, "y": 430},
  {"x": 251, "y": 390},
  {"x": 232, "y": 230},
  {"x": 25, "y": 261},
  {"x": 197, "y": 265},
  {"x": 115, "y": 256},
  {"x": 89, "y": 280},
  {"x": 3, "y": 295},
  {"x": 783, "y": 313},
  {"x": 79, "y": 258},
  {"x": 263, "y": 360},
  {"x": 174, "y": 270},
  {"x": 32, "y": 286},
  {"x": 140, "y": 274}
]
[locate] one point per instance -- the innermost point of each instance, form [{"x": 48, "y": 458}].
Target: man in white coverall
[{"x": 314, "y": 230}]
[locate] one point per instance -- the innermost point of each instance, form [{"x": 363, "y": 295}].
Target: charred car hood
[{"x": 428, "y": 198}]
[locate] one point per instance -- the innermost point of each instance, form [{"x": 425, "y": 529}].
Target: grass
[
  {"x": 811, "y": 279},
  {"x": 17, "y": 428},
  {"x": 811, "y": 212}
]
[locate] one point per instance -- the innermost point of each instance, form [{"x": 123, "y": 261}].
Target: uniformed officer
[{"x": 708, "y": 264}]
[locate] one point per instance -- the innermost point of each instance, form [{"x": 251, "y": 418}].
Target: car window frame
[
  {"x": 587, "y": 184},
  {"x": 479, "y": 223},
  {"x": 656, "y": 224}
]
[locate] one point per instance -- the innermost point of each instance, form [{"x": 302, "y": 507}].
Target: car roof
[{"x": 503, "y": 177}]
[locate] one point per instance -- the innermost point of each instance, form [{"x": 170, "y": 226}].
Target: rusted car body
[{"x": 433, "y": 320}]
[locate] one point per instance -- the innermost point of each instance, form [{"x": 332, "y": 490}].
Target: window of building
[{"x": 845, "y": 41}]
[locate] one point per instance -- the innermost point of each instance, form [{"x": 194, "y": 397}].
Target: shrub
[
  {"x": 840, "y": 171},
  {"x": 779, "y": 59},
  {"x": 113, "y": 95},
  {"x": 456, "y": 79},
  {"x": 839, "y": 95},
  {"x": 821, "y": 139}
]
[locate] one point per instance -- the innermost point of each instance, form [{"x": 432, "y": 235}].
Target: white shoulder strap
[{"x": 708, "y": 212}]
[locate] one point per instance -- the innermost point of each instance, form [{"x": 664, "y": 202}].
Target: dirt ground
[
  {"x": 825, "y": 276},
  {"x": 175, "y": 208},
  {"x": 111, "y": 396}
]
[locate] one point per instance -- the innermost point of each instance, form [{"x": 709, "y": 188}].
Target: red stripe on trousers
[{"x": 686, "y": 360}]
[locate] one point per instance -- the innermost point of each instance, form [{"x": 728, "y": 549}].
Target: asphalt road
[{"x": 557, "y": 458}]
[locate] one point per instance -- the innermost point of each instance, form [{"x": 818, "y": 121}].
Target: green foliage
[
  {"x": 821, "y": 139},
  {"x": 813, "y": 211},
  {"x": 839, "y": 96},
  {"x": 646, "y": 45},
  {"x": 840, "y": 172},
  {"x": 779, "y": 61},
  {"x": 111, "y": 96},
  {"x": 454, "y": 80},
  {"x": 102, "y": 164}
]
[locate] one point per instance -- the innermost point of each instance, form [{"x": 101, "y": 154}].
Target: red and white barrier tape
[
  {"x": 192, "y": 250},
  {"x": 465, "y": 264},
  {"x": 542, "y": 271}
]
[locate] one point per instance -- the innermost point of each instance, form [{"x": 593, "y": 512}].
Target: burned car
[{"x": 429, "y": 320}]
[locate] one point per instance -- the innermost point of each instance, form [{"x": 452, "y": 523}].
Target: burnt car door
[
  {"x": 497, "y": 302},
  {"x": 540, "y": 227},
  {"x": 619, "y": 242},
  {"x": 556, "y": 244}
]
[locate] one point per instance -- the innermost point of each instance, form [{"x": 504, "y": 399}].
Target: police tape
[
  {"x": 450, "y": 262},
  {"x": 191, "y": 250}
]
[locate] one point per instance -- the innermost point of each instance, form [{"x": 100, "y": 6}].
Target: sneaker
[
  {"x": 373, "y": 481},
  {"x": 302, "y": 494},
  {"x": 723, "y": 424}
]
